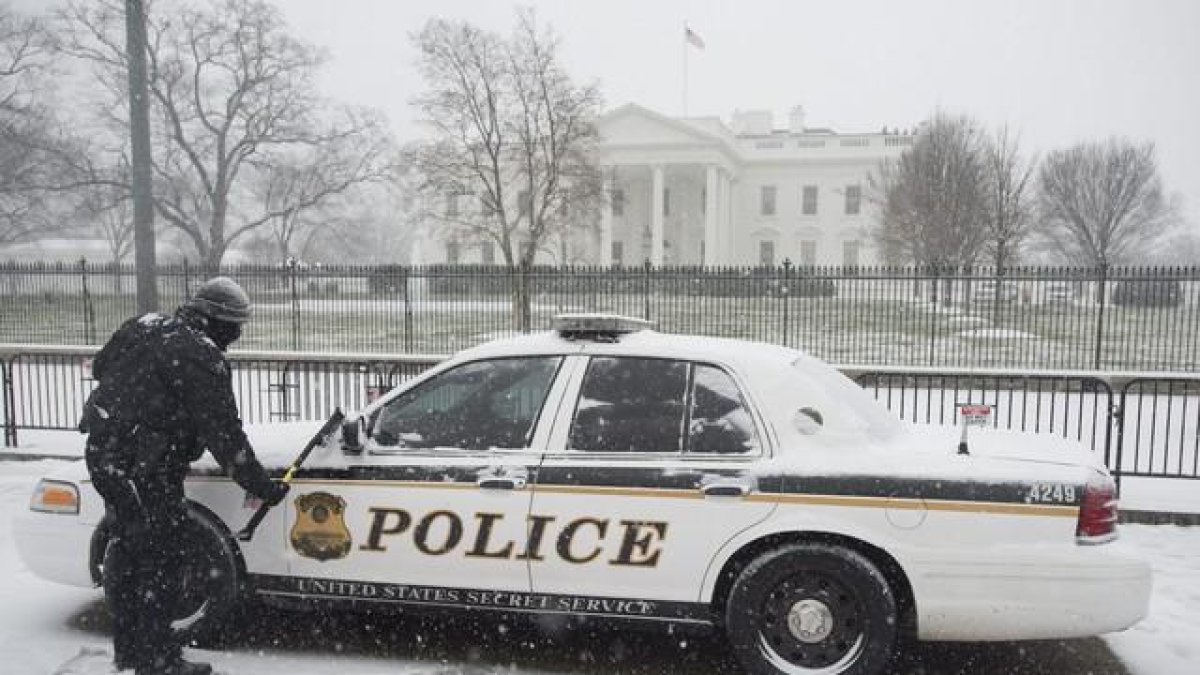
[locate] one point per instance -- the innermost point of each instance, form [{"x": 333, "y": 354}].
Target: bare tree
[
  {"x": 1102, "y": 203},
  {"x": 233, "y": 95},
  {"x": 31, "y": 138},
  {"x": 933, "y": 197},
  {"x": 513, "y": 132},
  {"x": 1009, "y": 201}
]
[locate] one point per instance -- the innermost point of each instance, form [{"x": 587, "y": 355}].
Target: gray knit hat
[{"x": 221, "y": 298}]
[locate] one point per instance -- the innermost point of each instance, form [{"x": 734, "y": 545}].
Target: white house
[{"x": 695, "y": 191}]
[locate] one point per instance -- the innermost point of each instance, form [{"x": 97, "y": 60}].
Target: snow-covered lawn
[{"x": 44, "y": 625}]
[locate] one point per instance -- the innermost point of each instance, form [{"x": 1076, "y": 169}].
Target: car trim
[
  {"x": 311, "y": 588},
  {"x": 992, "y": 502}
]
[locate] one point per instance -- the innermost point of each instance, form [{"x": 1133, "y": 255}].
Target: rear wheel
[
  {"x": 211, "y": 593},
  {"x": 808, "y": 609}
]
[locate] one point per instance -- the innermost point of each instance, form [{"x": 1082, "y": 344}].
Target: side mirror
[{"x": 352, "y": 436}]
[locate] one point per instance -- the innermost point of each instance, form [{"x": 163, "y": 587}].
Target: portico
[{"x": 669, "y": 185}]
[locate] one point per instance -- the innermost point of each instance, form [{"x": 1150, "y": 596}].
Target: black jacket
[{"x": 165, "y": 395}]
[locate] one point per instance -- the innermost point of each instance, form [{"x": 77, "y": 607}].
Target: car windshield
[{"x": 841, "y": 407}]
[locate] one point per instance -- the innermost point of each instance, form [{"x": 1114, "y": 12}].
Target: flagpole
[{"x": 685, "y": 68}]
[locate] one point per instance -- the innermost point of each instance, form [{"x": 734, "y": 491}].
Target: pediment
[{"x": 632, "y": 124}]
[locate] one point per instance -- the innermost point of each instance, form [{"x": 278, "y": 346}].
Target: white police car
[{"x": 608, "y": 470}]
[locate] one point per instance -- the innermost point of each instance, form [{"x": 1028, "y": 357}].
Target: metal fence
[
  {"x": 1141, "y": 426},
  {"x": 1026, "y": 318}
]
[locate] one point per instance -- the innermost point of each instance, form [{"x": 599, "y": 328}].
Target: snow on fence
[{"x": 1143, "y": 424}]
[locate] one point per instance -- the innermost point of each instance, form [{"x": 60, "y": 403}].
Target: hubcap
[{"x": 810, "y": 621}]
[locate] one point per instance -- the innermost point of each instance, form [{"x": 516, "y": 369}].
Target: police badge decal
[{"x": 320, "y": 531}]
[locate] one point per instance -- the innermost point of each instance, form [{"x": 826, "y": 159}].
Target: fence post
[
  {"x": 10, "y": 413},
  {"x": 786, "y": 290},
  {"x": 1102, "y": 290},
  {"x": 933, "y": 295},
  {"x": 646, "y": 290},
  {"x": 89, "y": 311},
  {"x": 291, "y": 271},
  {"x": 187, "y": 279},
  {"x": 408, "y": 313}
]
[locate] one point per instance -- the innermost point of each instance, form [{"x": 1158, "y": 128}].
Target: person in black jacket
[{"x": 164, "y": 397}]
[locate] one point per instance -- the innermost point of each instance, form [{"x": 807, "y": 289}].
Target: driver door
[{"x": 436, "y": 503}]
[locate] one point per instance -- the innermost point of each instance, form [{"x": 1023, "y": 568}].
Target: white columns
[
  {"x": 711, "y": 243},
  {"x": 728, "y": 240},
  {"x": 606, "y": 229},
  {"x": 656, "y": 216}
]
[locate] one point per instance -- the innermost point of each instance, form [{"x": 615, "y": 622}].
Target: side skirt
[{"x": 374, "y": 592}]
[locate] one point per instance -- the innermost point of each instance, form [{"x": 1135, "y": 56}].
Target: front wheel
[
  {"x": 809, "y": 609},
  {"x": 211, "y": 593}
]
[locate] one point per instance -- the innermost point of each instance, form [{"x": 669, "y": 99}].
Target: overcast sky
[{"x": 1057, "y": 71}]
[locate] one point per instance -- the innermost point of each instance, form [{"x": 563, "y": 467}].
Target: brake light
[{"x": 1098, "y": 511}]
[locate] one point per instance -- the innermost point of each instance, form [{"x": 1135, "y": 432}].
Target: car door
[
  {"x": 647, "y": 474},
  {"x": 437, "y": 502}
]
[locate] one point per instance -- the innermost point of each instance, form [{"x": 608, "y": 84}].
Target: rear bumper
[
  {"x": 1031, "y": 595},
  {"x": 54, "y": 546}
]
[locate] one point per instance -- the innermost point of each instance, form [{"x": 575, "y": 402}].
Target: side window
[
  {"x": 476, "y": 406},
  {"x": 718, "y": 422},
  {"x": 630, "y": 405}
]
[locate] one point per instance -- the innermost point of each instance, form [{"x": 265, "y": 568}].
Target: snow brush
[{"x": 331, "y": 425}]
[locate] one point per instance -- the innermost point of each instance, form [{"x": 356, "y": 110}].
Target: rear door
[
  {"x": 436, "y": 505},
  {"x": 647, "y": 474}
]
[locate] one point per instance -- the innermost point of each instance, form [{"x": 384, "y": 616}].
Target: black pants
[{"x": 144, "y": 564}]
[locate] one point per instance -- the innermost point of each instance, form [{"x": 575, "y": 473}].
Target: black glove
[{"x": 279, "y": 490}]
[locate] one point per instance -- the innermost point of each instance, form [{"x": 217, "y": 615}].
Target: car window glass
[
  {"x": 719, "y": 422},
  {"x": 476, "y": 406},
  {"x": 630, "y": 405}
]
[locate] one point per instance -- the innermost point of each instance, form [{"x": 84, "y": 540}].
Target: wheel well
[
  {"x": 891, "y": 570},
  {"x": 103, "y": 533}
]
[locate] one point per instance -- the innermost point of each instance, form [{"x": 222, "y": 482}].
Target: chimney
[{"x": 796, "y": 120}]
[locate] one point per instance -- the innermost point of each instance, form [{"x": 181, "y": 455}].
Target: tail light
[{"x": 1098, "y": 511}]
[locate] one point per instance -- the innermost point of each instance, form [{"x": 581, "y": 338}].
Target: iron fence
[
  {"x": 1128, "y": 318},
  {"x": 1144, "y": 426}
]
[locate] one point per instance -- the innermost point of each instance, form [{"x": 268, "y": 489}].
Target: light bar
[
  {"x": 51, "y": 496},
  {"x": 598, "y": 324}
]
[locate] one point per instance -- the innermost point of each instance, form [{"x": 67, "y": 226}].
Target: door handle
[
  {"x": 725, "y": 490},
  {"x": 500, "y": 483}
]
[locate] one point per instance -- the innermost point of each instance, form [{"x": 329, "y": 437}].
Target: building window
[
  {"x": 850, "y": 251},
  {"x": 853, "y": 199},
  {"x": 767, "y": 200},
  {"x": 766, "y": 253},
  {"x": 618, "y": 202},
  {"x": 618, "y": 253},
  {"x": 808, "y": 206},
  {"x": 666, "y": 202},
  {"x": 451, "y": 204},
  {"x": 808, "y": 252},
  {"x": 452, "y": 252},
  {"x": 703, "y": 200},
  {"x": 487, "y": 252},
  {"x": 526, "y": 249}
]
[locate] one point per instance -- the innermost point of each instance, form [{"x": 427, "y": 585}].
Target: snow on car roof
[{"x": 641, "y": 343}]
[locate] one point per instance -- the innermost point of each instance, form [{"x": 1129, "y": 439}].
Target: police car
[{"x": 608, "y": 470}]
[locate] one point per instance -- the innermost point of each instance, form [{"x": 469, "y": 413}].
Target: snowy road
[{"x": 43, "y": 625}]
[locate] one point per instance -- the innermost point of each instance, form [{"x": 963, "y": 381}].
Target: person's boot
[{"x": 178, "y": 667}]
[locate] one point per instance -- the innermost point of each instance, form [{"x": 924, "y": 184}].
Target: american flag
[{"x": 692, "y": 37}]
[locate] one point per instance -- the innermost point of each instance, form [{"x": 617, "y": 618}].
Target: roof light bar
[{"x": 598, "y": 324}]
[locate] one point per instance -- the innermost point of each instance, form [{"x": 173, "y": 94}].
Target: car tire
[
  {"x": 804, "y": 609},
  {"x": 212, "y": 595}
]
